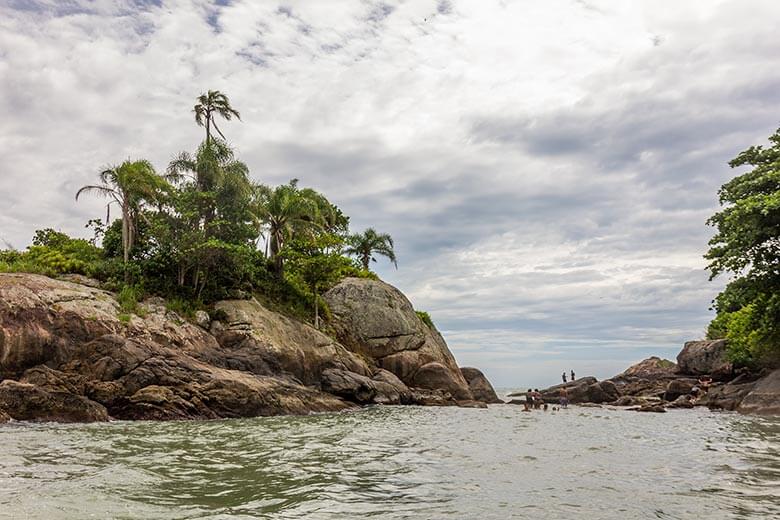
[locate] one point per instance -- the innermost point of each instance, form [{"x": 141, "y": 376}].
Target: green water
[{"x": 399, "y": 462}]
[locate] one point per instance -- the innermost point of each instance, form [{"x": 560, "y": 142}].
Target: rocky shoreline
[
  {"x": 655, "y": 385},
  {"x": 68, "y": 354}
]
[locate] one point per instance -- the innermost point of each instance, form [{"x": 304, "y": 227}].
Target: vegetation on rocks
[
  {"x": 747, "y": 246},
  {"x": 204, "y": 230}
]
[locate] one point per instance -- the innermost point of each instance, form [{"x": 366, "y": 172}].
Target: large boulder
[
  {"x": 479, "y": 385},
  {"x": 577, "y": 390},
  {"x": 678, "y": 387},
  {"x": 705, "y": 357},
  {"x": 376, "y": 320},
  {"x": 4, "y": 417},
  {"x": 764, "y": 397},
  {"x": 26, "y": 402},
  {"x": 264, "y": 342},
  {"x": 389, "y": 385},
  {"x": 651, "y": 368}
]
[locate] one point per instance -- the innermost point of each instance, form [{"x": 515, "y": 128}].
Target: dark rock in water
[
  {"x": 376, "y": 320},
  {"x": 727, "y": 396},
  {"x": 678, "y": 387},
  {"x": 4, "y": 417},
  {"x": 706, "y": 357},
  {"x": 349, "y": 385},
  {"x": 577, "y": 390},
  {"x": 652, "y": 407},
  {"x": 682, "y": 401},
  {"x": 479, "y": 385},
  {"x": 435, "y": 375},
  {"x": 764, "y": 397},
  {"x": 26, "y": 402},
  {"x": 427, "y": 397},
  {"x": 629, "y": 400},
  {"x": 601, "y": 392},
  {"x": 388, "y": 386}
]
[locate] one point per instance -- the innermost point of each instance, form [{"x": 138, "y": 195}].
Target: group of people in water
[{"x": 534, "y": 400}]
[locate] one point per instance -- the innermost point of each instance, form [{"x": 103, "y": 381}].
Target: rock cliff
[{"x": 67, "y": 353}]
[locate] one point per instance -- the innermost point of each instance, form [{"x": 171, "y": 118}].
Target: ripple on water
[{"x": 399, "y": 462}]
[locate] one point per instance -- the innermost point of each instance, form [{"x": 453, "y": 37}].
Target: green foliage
[
  {"x": 747, "y": 244},
  {"x": 426, "y": 318},
  {"x": 191, "y": 235},
  {"x": 365, "y": 245},
  {"x": 54, "y": 253}
]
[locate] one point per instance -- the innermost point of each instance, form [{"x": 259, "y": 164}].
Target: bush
[{"x": 426, "y": 318}]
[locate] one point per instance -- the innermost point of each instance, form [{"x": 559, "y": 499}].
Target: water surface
[{"x": 399, "y": 462}]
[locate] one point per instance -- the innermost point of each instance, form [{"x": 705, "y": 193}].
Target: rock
[
  {"x": 727, "y": 396},
  {"x": 266, "y": 343},
  {"x": 202, "y": 319},
  {"x": 706, "y": 357},
  {"x": 652, "y": 407},
  {"x": 80, "y": 279},
  {"x": 764, "y": 397},
  {"x": 520, "y": 402},
  {"x": 679, "y": 387},
  {"x": 601, "y": 392},
  {"x": 26, "y": 402},
  {"x": 471, "y": 404},
  {"x": 4, "y": 417},
  {"x": 629, "y": 400},
  {"x": 682, "y": 401},
  {"x": 376, "y": 320},
  {"x": 651, "y": 368},
  {"x": 436, "y": 376},
  {"x": 349, "y": 385},
  {"x": 74, "y": 360},
  {"x": 427, "y": 397},
  {"x": 479, "y": 385},
  {"x": 577, "y": 390},
  {"x": 384, "y": 377}
]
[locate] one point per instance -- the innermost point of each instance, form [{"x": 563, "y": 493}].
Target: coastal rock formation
[
  {"x": 651, "y": 368},
  {"x": 4, "y": 417},
  {"x": 764, "y": 396},
  {"x": 68, "y": 353},
  {"x": 479, "y": 385},
  {"x": 705, "y": 357},
  {"x": 376, "y": 320}
]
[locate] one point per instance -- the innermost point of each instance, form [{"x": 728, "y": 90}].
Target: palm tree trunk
[
  {"x": 316, "y": 311},
  {"x": 125, "y": 240},
  {"x": 365, "y": 259}
]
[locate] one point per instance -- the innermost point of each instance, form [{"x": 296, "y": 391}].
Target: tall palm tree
[
  {"x": 365, "y": 245},
  {"x": 210, "y": 104},
  {"x": 207, "y": 167},
  {"x": 129, "y": 185},
  {"x": 286, "y": 210}
]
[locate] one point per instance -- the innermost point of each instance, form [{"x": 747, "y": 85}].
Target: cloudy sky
[{"x": 545, "y": 167}]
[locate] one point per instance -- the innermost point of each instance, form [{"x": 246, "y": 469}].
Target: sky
[{"x": 546, "y": 168}]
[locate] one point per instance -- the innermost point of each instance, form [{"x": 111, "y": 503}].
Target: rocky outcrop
[
  {"x": 66, "y": 355},
  {"x": 650, "y": 368},
  {"x": 705, "y": 357},
  {"x": 764, "y": 396},
  {"x": 376, "y": 320},
  {"x": 4, "y": 417},
  {"x": 480, "y": 387}
]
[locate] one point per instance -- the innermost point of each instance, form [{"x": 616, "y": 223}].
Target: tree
[
  {"x": 286, "y": 211},
  {"x": 210, "y": 104},
  {"x": 129, "y": 185},
  {"x": 365, "y": 245},
  {"x": 747, "y": 245}
]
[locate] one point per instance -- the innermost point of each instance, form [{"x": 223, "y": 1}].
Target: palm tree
[
  {"x": 210, "y": 104},
  {"x": 128, "y": 185},
  {"x": 207, "y": 167},
  {"x": 286, "y": 210},
  {"x": 365, "y": 245}
]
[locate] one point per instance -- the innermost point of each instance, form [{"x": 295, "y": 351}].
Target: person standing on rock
[
  {"x": 564, "y": 376},
  {"x": 572, "y": 375}
]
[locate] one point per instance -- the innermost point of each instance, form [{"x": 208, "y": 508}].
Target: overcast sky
[{"x": 545, "y": 167}]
